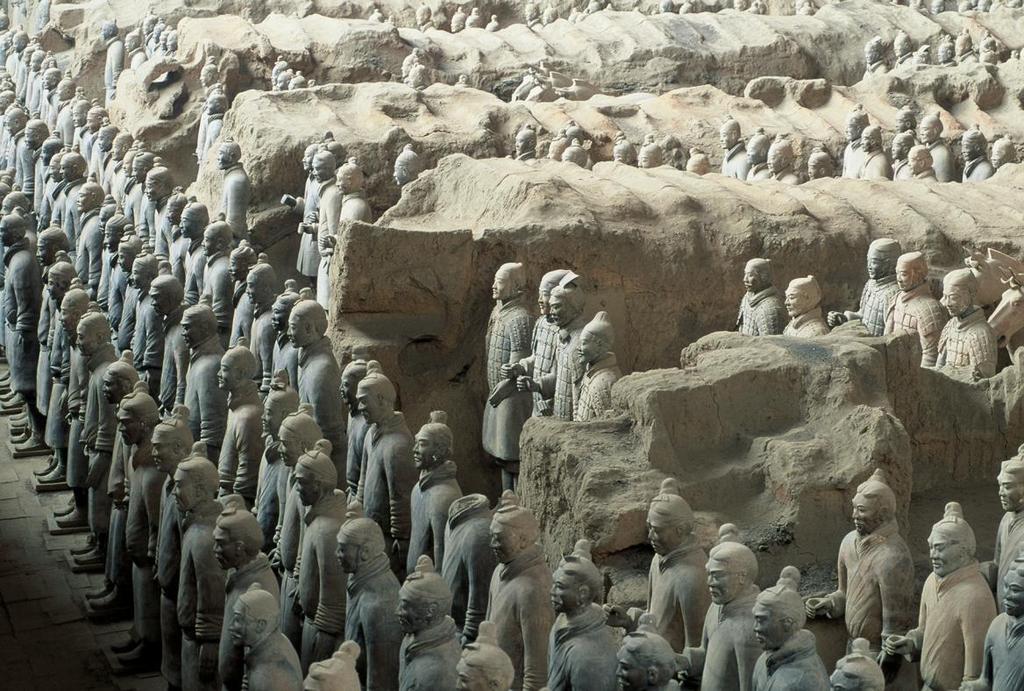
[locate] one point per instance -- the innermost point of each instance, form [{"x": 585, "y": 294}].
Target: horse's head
[{"x": 1008, "y": 317}]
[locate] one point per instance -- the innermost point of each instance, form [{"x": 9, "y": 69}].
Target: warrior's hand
[{"x": 834, "y": 319}]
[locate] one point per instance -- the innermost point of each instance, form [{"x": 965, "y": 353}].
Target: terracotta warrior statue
[
  {"x": 519, "y": 602},
  {"x": 566, "y": 305},
  {"x": 781, "y": 162},
  {"x": 172, "y": 443},
  {"x": 508, "y": 342},
  {"x": 191, "y": 268},
  {"x": 602, "y": 369},
  {"x": 790, "y": 659},
  {"x": 921, "y": 164},
  {"x": 321, "y": 593},
  {"x": 338, "y": 673},
  {"x": 243, "y": 444},
  {"x": 286, "y": 355},
  {"x": 218, "y": 284},
  {"x": 879, "y": 290},
  {"x": 858, "y": 670},
  {"x": 22, "y": 298},
  {"x": 1010, "y": 533},
  {"x": 874, "y": 57},
  {"x": 371, "y": 618},
  {"x": 956, "y": 609},
  {"x": 677, "y": 591},
  {"x": 240, "y": 262},
  {"x": 270, "y": 662},
  {"x": 876, "y": 164},
  {"x": 201, "y": 578},
  {"x": 148, "y": 339},
  {"x": 408, "y": 166},
  {"x": 976, "y": 164},
  {"x": 902, "y": 142},
  {"x": 1003, "y": 151},
  {"x": 236, "y": 188},
  {"x": 623, "y": 151},
  {"x": 388, "y": 475},
  {"x": 651, "y": 154},
  {"x": 207, "y": 402},
  {"x": 876, "y": 572},
  {"x": 237, "y": 540},
  {"x": 853, "y": 156},
  {"x": 757, "y": 156},
  {"x": 298, "y": 435},
  {"x": 734, "y": 163},
  {"x": 430, "y": 647},
  {"x": 167, "y": 295},
  {"x": 435, "y": 491},
  {"x": 646, "y": 662},
  {"x": 929, "y": 133},
  {"x": 281, "y": 401},
  {"x": 967, "y": 342},
  {"x": 469, "y": 561},
  {"x": 319, "y": 376},
  {"x": 762, "y": 312},
  {"x": 306, "y": 206},
  {"x": 803, "y": 303},
  {"x": 914, "y": 309},
  {"x": 543, "y": 344},
  {"x": 328, "y": 214},
  {"x": 484, "y": 666},
  {"x": 581, "y": 647},
  {"x": 526, "y": 142},
  {"x": 261, "y": 287},
  {"x": 729, "y": 650},
  {"x": 1002, "y": 668}
]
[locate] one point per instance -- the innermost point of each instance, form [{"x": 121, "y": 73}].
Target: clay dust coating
[{"x": 394, "y": 345}]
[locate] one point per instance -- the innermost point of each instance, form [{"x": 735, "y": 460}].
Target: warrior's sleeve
[
  {"x": 401, "y": 476},
  {"x": 209, "y": 591},
  {"x": 330, "y": 609}
]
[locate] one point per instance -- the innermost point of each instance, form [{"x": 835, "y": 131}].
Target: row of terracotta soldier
[{"x": 954, "y": 334}]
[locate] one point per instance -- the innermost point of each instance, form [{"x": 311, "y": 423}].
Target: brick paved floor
[{"x": 46, "y": 643}]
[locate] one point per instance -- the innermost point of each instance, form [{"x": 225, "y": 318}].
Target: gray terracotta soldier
[
  {"x": 281, "y": 400},
  {"x": 803, "y": 303},
  {"x": 902, "y": 143},
  {"x": 434, "y": 492},
  {"x": 115, "y": 58},
  {"x": 677, "y": 592},
  {"x": 408, "y": 166},
  {"x": 351, "y": 180},
  {"x": 321, "y": 587},
  {"x": 286, "y": 356},
  {"x": 967, "y": 342},
  {"x": 566, "y": 304},
  {"x": 99, "y": 422},
  {"x": 929, "y": 133},
  {"x": 135, "y": 200},
  {"x": 215, "y": 108},
  {"x": 876, "y": 164},
  {"x": 357, "y": 425},
  {"x": 914, "y": 309},
  {"x": 781, "y": 162},
  {"x": 469, "y": 561},
  {"x": 172, "y": 442},
  {"x": 858, "y": 670},
  {"x": 235, "y": 194},
  {"x": 298, "y": 434},
  {"x": 903, "y": 48},
  {"x": 519, "y": 601},
  {"x": 22, "y": 297},
  {"x": 207, "y": 402},
  {"x": 1010, "y": 533},
  {"x": 645, "y": 661},
  {"x": 72, "y": 371},
  {"x": 581, "y": 649},
  {"x": 1002, "y": 666},
  {"x": 243, "y": 444},
  {"x": 124, "y": 297},
  {"x": 976, "y": 164},
  {"x": 158, "y": 189},
  {"x": 526, "y": 142},
  {"x": 484, "y": 666},
  {"x": 879, "y": 289},
  {"x": 201, "y": 579},
  {"x": 89, "y": 258},
  {"x": 240, "y": 261},
  {"x": 218, "y": 283},
  {"x": 875, "y": 594},
  {"x": 507, "y": 342},
  {"x": 337, "y": 673},
  {"x": 544, "y": 343},
  {"x": 790, "y": 659},
  {"x": 734, "y": 162},
  {"x": 137, "y": 416},
  {"x": 651, "y": 154},
  {"x": 307, "y": 207},
  {"x": 319, "y": 376},
  {"x": 602, "y": 368},
  {"x": 50, "y": 249},
  {"x": 725, "y": 659},
  {"x": 388, "y": 474},
  {"x": 956, "y": 609},
  {"x": 762, "y": 312},
  {"x": 853, "y": 156},
  {"x": 1003, "y": 152},
  {"x": 757, "y": 156},
  {"x": 237, "y": 539},
  {"x": 371, "y": 609},
  {"x": 190, "y": 267},
  {"x": 270, "y": 662},
  {"x": 261, "y": 287},
  {"x": 820, "y": 164},
  {"x": 874, "y": 57},
  {"x": 148, "y": 339},
  {"x": 920, "y": 158},
  {"x": 328, "y": 214},
  {"x": 167, "y": 295},
  {"x": 624, "y": 152},
  {"x": 430, "y": 648}
]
